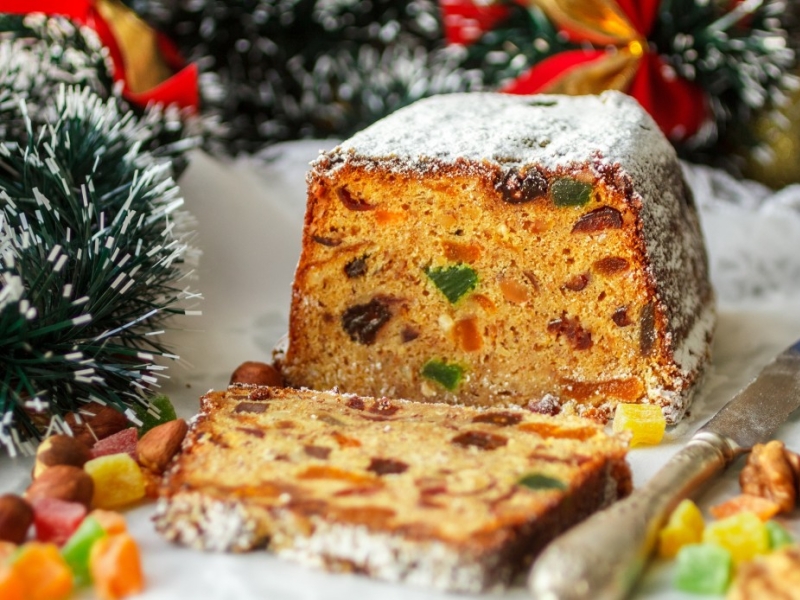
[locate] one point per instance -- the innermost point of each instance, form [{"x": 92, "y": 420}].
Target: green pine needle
[{"x": 93, "y": 245}]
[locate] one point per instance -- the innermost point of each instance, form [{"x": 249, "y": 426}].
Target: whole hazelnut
[
  {"x": 60, "y": 450},
  {"x": 16, "y": 517},
  {"x": 64, "y": 482},
  {"x": 257, "y": 373},
  {"x": 106, "y": 422}
]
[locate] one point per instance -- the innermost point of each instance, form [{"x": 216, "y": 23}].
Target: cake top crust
[{"x": 512, "y": 131}]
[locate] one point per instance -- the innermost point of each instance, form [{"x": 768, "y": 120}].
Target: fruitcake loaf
[
  {"x": 451, "y": 497},
  {"x": 489, "y": 249}
]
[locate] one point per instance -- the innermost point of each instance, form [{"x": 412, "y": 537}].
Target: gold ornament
[{"x": 774, "y": 158}]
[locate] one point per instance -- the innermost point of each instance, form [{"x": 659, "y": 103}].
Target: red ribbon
[
  {"x": 181, "y": 88},
  {"x": 679, "y": 106}
]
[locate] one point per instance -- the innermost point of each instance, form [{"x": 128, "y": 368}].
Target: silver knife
[{"x": 602, "y": 558}]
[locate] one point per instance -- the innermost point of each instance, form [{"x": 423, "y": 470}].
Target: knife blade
[{"x": 603, "y": 557}]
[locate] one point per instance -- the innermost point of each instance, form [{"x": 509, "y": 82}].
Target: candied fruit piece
[
  {"x": 778, "y": 536},
  {"x": 76, "y": 550},
  {"x": 447, "y": 375},
  {"x": 703, "y": 569},
  {"x": 55, "y": 520},
  {"x": 118, "y": 480},
  {"x": 684, "y": 526},
  {"x": 158, "y": 411},
  {"x": 44, "y": 573},
  {"x": 762, "y": 507},
  {"x": 518, "y": 188},
  {"x": 743, "y": 535},
  {"x": 467, "y": 334},
  {"x": 645, "y": 421},
  {"x": 454, "y": 281},
  {"x": 599, "y": 219},
  {"x": 480, "y": 439},
  {"x": 539, "y": 481},
  {"x": 363, "y": 321},
  {"x": 122, "y": 441},
  {"x": 116, "y": 567},
  {"x": 357, "y": 267},
  {"x": 570, "y": 192},
  {"x": 11, "y": 585}
]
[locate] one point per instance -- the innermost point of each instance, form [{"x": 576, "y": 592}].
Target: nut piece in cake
[
  {"x": 430, "y": 494},
  {"x": 533, "y": 245}
]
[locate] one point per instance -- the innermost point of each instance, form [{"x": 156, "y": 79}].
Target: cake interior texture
[
  {"x": 489, "y": 250},
  {"x": 451, "y": 497}
]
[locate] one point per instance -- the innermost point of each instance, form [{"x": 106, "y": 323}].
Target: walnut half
[
  {"x": 774, "y": 576},
  {"x": 772, "y": 472}
]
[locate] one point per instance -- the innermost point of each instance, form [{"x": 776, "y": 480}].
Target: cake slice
[
  {"x": 451, "y": 497},
  {"x": 489, "y": 249}
]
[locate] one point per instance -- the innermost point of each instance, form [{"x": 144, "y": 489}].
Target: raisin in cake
[
  {"x": 431, "y": 494},
  {"x": 490, "y": 249}
]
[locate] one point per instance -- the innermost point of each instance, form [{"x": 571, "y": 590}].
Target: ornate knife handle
[{"x": 602, "y": 558}]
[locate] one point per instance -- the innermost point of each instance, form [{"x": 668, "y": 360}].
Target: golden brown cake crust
[
  {"x": 490, "y": 250},
  {"x": 428, "y": 494}
]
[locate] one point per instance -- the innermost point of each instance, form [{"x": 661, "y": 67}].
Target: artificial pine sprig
[
  {"x": 275, "y": 70},
  {"x": 93, "y": 247},
  {"x": 740, "y": 56}
]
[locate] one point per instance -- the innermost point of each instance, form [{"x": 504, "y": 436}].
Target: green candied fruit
[
  {"x": 453, "y": 281},
  {"x": 570, "y": 192},
  {"x": 778, "y": 536},
  {"x": 79, "y": 545},
  {"x": 703, "y": 569},
  {"x": 538, "y": 481},
  {"x": 448, "y": 376},
  {"x": 160, "y": 405}
]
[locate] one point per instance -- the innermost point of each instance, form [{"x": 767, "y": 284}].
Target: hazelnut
[
  {"x": 106, "y": 422},
  {"x": 60, "y": 450},
  {"x": 257, "y": 373},
  {"x": 64, "y": 482},
  {"x": 160, "y": 444},
  {"x": 16, "y": 517}
]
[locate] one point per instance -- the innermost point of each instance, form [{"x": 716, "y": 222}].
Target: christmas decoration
[
  {"x": 695, "y": 65},
  {"x": 93, "y": 241},
  {"x": 275, "y": 70},
  {"x": 282, "y": 69}
]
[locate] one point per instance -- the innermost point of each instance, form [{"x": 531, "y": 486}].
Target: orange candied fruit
[
  {"x": 116, "y": 567},
  {"x": 43, "y": 572},
  {"x": 111, "y": 521},
  {"x": 763, "y": 508},
  {"x": 645, "y": 422},
  {"x": 11, "y": 586}
]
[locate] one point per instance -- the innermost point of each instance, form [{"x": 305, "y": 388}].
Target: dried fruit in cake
[
  {"x": 549, "y": 249},
  {"x": 432, "y": 494}
]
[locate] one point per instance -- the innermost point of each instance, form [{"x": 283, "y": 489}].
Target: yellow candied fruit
[
  {"x": 118, "y": 480},
  {"x": 645, "y": 421},
  {"x": 744, "y": 535},
  {"x": 684, "y": 526}
]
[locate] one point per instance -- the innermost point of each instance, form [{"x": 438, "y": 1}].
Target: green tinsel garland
[{"x": 94, "y": 245}]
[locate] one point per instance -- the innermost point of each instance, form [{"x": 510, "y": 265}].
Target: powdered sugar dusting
[{"x": 552, "y": 131}]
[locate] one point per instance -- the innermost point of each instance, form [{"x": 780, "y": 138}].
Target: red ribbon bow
[
  {"x": 616, "y": 55},
  {"x": 179, "y": 87}
]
